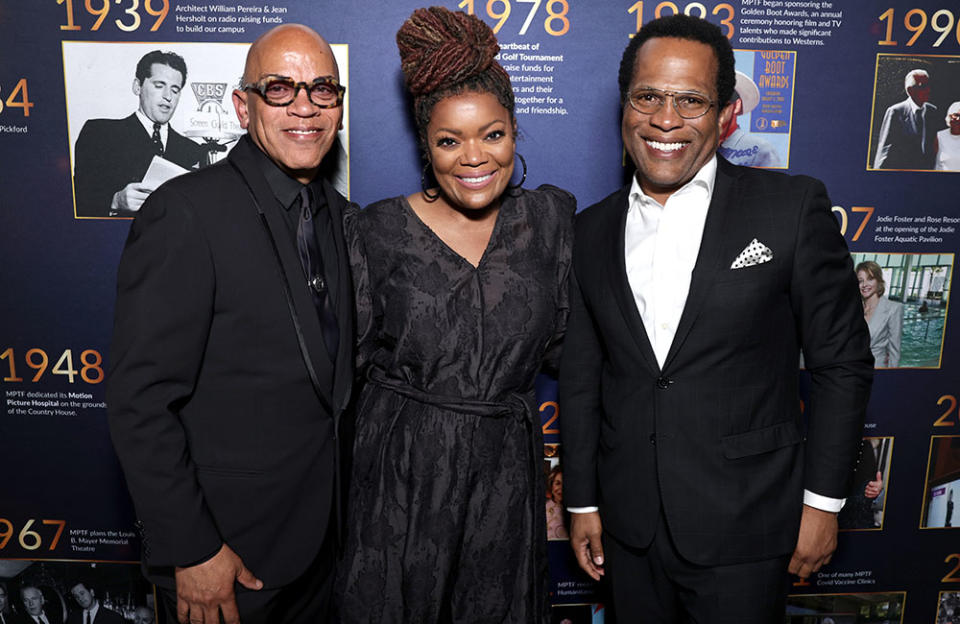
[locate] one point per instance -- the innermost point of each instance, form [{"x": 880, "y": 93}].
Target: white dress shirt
[
  {"x": 661, "y": 244},
  {"x": 91, "y": 614},
  {"x": 148, "y": 126}
]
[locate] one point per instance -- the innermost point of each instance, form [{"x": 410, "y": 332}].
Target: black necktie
[
  {"x": 158, "y": 144},
  {"x": 313, "y": 268}
]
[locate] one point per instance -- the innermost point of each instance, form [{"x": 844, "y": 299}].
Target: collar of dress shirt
[
  {"x": 704, "y": 179},
  {"x": 913, "y": 105},
  {"x": 285, "y": 188},
  {"x": 661, "y": 244},
  {"x": 148, "y": 126}
]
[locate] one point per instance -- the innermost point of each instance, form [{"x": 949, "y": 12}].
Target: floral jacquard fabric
[{"x": 446, "y": 518}]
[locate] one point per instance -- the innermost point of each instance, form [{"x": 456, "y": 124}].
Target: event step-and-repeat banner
[{"x": 822, "y": 92}]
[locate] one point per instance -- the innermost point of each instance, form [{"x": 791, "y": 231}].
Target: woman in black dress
[{"x": 461, "y": 299}]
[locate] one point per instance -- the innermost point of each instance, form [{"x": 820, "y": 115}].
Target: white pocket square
[{"x": 754, "y": 253}]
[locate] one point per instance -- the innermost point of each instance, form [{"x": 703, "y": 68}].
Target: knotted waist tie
[{"x": 518, "y": 406}]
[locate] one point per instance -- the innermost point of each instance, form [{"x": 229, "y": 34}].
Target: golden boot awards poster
[{"x": 822, "y": 90}]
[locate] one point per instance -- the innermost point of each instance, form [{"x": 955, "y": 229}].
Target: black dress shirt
[{"x": 287, "y": 192}]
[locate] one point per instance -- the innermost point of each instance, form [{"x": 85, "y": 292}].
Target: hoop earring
[
  {"x": 423, "y": 184},
  {"x": 524, "y": 177}
]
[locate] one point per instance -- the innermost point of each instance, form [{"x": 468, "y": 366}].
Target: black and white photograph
[
  {"x": 79, "y": 592},
  {"x": 158, "y": 110}
]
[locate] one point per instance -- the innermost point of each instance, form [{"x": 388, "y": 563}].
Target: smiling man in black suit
[
  {"x": 232, "y": 356},
  {"x": 694, "y": 289}
]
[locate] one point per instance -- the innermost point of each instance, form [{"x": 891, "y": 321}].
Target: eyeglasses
[
  {"x": 326, "y": 92},
  {"x": 688, "y": 104}
]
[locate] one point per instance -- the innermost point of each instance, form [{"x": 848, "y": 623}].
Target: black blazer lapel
[
  {"x": 135, "y": 129},
  {"x": 134, "y": 140},
  {"x": 621, "y": 286},
  {"x": 708, "y": 265},
  {"x": 304, "y": 313},
  {"x": 343, "y": 369}
]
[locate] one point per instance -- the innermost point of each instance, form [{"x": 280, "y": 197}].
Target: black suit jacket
[
  {"x": 222, "y": 433},
  {"x": 52, "y": 616},
  {"x": 904, "y": 143},
  {"x": 111, "y": 153},
  {"x": 22, "y": 618},
  {"x": 716, "y": 437},
  {"x": 104, "y": 616}
]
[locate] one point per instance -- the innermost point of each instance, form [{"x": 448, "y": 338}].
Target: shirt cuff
[
  {"x": 203, "y": 559},
  {"x": 823, "y": 503}
]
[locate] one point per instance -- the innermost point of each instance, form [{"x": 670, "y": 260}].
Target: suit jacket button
[
  {"x": 663, "y": 383},
  {"x": 653, "y": 439}
]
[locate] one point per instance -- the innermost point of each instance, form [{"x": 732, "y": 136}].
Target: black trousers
[
  {"x": 655, "y": 585},
  {"x": 308, "y": 600}
]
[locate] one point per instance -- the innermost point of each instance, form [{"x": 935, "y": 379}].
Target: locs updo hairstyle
[{"x": 444, "y": 53}]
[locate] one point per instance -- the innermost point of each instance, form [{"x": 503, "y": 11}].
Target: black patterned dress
[{"x": 446, "y": 518}]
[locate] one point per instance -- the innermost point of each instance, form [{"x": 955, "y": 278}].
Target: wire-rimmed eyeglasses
[{"x": 688, "y": 104}]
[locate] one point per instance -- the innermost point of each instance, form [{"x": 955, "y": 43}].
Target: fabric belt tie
[{"x": 518, "y": 407}]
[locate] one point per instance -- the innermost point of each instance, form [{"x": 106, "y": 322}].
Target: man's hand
[
  {"x": 816, "y": 543},
  {"x": 873, "y": 487},
  {"x": 129, "y": 199},
  {"x": 585, "y": 531},
  {"x": 206, "y": 589}
]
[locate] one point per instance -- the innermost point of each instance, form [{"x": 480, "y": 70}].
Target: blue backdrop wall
[{"x": 817, "y": 78}]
